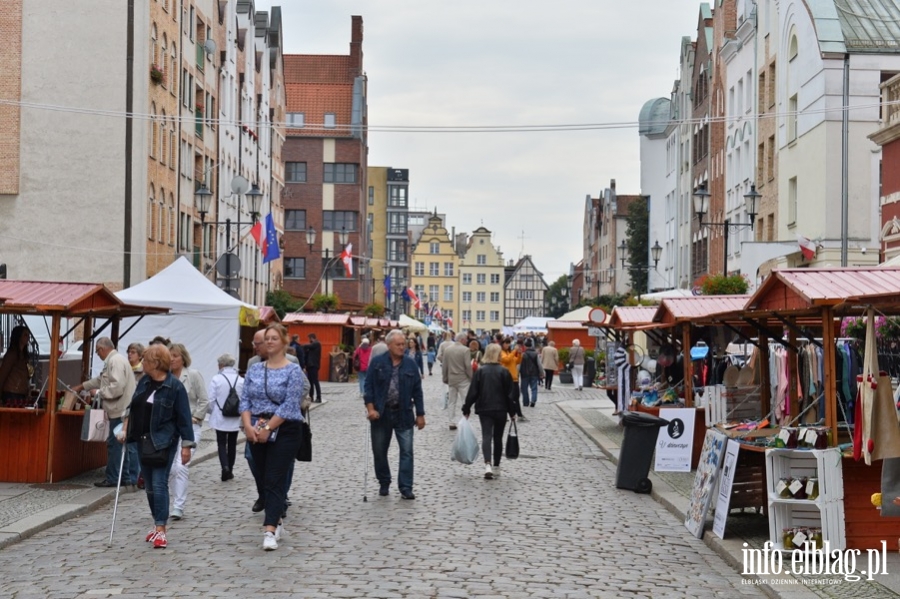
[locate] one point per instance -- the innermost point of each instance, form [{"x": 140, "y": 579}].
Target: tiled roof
[
  {"x": 799, "y": 288},
  {"x": 629, "y": 316},
  {"x": 319, "y": 84},
  {"x": 676, "y": 309},
  {"x": 315, "y": 318},
  {"x": 310, "y": 68},
  {"x": 66, "y": 298}
]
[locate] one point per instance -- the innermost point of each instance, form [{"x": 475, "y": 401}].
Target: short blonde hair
[
  {"x": 491, "y": 354},
  {"x": 182, "y": 351}
]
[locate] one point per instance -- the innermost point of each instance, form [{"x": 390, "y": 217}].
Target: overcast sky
[{"x": 506, "y": 62}]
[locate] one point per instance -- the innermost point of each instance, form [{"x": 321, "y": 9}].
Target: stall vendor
[{"x": 14, "y": 375}]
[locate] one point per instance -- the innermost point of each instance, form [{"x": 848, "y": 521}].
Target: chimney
[{"x": 356, "y": 39}]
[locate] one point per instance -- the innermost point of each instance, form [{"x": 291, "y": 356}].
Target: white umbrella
[{"x": 411, "y": 323}]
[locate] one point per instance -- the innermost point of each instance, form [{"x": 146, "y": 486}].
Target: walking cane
[
  {"x": 118, "y": 486},
  {"x": 366, "y": 462}
]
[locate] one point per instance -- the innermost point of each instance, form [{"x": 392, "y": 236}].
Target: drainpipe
[
  {"x": 129, "y": 146},
  {"x": 845, "y": 154}
]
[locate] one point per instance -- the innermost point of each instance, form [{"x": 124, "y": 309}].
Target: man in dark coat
[{"x": 313, "y": 351}]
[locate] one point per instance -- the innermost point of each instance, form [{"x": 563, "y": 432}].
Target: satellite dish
[
  {"x": 210, "y": 47},
  {"x": 240, "y": 185}
]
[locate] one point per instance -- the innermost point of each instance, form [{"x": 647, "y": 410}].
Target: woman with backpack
[{"x": 224, "y": 411}]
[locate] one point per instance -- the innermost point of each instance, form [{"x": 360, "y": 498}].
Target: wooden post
[
  {"x": 688, "y": 365},
  {"x": 51, "y": 393},
  {"x": 830, "y": 381},
  {"x": 793, "y": 373},
  {"x": 86, "y": 354},
  {"x": 765, "y": 389}
]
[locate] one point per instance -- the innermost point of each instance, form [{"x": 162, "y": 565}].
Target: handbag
[
  {"x": 304, "y": 452},
  {"x": 95, "y": 424},
  {"x": 150, "y": 455},
  {"x": 512, "y": 442}
]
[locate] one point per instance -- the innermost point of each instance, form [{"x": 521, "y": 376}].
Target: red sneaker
[
  {"x": 151, "y": 535},
  {"x": 159, "y": 541},
  {"x": 140, "y": 482}
]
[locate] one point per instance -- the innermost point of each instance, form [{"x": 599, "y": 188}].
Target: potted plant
[
  {"x": 565, "y": 375},
  {"x": 156, "y": 74},
  {"x": 324, "y": 303}
]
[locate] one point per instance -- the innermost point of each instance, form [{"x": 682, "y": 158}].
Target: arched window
[
  {"x": 172, "y": 148},
  {"x": 163, "y": 142},
  {"x": 153, "y": 56},
  {"x": 171, "y": 219},
  {"x": 153, "y": 140},
  {"x": 162, "y": 216},
  {"x": 173, "y": 84},
  {"x": 150, "y": 204},
  {"x": 163, "y": 60},
  {"x": 792, "y": 48}
]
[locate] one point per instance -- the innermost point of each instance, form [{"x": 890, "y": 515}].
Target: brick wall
[{"x": 10, "y": 88}]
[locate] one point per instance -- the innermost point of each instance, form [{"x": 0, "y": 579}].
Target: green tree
[
  {"x": 557, "y": 297},
  {"x": 283, "y": 302},
  {"x": 637, "y": 230},
  {"x": 724, "y": 285},
  {"x": 374, "y": 310}
]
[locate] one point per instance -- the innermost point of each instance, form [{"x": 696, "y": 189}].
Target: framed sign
[
  {"x": 724, "y": 497},
  {"x": 675, "y": 442},
  {"x": 705, "y": 482}
]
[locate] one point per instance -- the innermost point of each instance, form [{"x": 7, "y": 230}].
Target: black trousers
[
  {"x": 315, "y": 390},
  {"x": 273, "y": 460},
  {"x": 548, "y": 378},
  {"x": 227, "y": 442},
  {"x": 492, "y": 425},
  {"x": 516, "y": 392}
]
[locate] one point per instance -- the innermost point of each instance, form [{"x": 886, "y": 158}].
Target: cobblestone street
[{"x": 552, "y": 525}]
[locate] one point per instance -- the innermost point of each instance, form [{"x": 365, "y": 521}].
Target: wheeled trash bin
[{"x": 636, "y": 453}]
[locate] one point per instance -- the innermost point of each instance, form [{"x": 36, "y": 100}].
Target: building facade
[
  {"x": 435, "y": 272},
  {"x": 481, "y": 274},
  {"x": 525, "y": 291},
  {"x": 325, "y": 156},
  {"x": 388, "y": 216}
]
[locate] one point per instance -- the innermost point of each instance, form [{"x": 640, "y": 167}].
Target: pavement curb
[{"x": 728, "y": 549}]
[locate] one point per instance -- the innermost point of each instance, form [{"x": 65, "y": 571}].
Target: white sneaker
[
  {"x": 177, "y": 514},
  {"x": 488, "y": 473},
  {"x": 279, "y": 531},
  {"x": 269, "y": 542},
  {"x": 497, "y": 471}
]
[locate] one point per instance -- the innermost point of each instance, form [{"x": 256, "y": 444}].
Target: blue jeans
[
  {"x": 362, "y": 381},
  {"x": 382, "y": 429},
  {"x": 156, "y": 485},
  {"x": 114, "y": 458},
  {"x": 529, "y": 383}
]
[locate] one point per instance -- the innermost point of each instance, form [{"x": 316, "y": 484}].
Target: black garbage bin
[
  {"x": 636, "y": 453},
  {"x": 590, "y": 371}
]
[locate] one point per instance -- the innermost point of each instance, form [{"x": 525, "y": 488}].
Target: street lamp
[
  {"x": 203, "y": 198},
  {"x": 343, "y": 236},
  {"x": 701, "y": 207},
  {"x": 655, "y": 255}
]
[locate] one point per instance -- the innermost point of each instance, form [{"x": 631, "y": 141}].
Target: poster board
[
  {"x": 705, "y": 481},
  {"x": 724, "y": 497},
  {"x": 675, "y": 442}
]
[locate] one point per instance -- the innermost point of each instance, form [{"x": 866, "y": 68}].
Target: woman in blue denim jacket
[{"x": 160, "y": 409}]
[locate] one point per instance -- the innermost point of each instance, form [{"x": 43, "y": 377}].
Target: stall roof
[
  {"x": 372, "y": 323},
  {"x": 268, "y": 315},
  {"x": 629, "y": 317},
  {"x": 566, "y": 324},
  {"x": 315, "y": 318},
  {"x": 673, "y": 310},
  {"x": 69, "y": 299},
  {"x": 808, "y": 288}
]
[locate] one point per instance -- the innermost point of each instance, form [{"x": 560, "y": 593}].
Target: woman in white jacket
[{"x": 226, "y": 427}]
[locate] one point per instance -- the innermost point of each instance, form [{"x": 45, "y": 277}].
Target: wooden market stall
[
  {"x": 808, "y": 303},
  {"x": 563, "y": 332},
  {"x": 42, "y": 443},
  {"x": 331, "y": 330}
]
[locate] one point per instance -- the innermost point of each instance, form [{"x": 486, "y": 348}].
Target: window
[
  {"x": 434, "y": 269},
  {"x": 434, "y": 292},
  {"x": 337, "y": 271},
  {"x": 448, "y": 293},
  {"x": 480, "y": 279},
  {"x": 466, "y": 315},
  {"x": 294, "y": 268},
  {"x": 466, "y": 296},
  {"x": 495, "y": 279},
  {"x": 296, "y": 120},
  {"x": 481, "y": 259},
  {"x": 371, "y": 196},
  {"x": 480, "y": 297},
  {"x": 495, "y": 297},
  {"x": 330, "y": 122},
  {"x": 420, "y": 269},
  {"x": 335, "y": 220},
  {"x": 150, "y": 205},
  {"x": 420, "y": 291},
  {"x": 397, "y": 250},
  {"x": 397, "y": 197},
  {"x": 397, "y": 223},
  {"x": 792, "y": 201},
  {"x": 434, "y": 247},
  {"x": 448, "y": 313},
  {"x": 295, "y": 172},
  {"x": 467, "y": 278},
  {"x": 792, "y": 118},
  {"x": 336, "y": 172},
  {"x": 479, "y": 316},
  {"x": 770, "y": 158},
  {"x": 495, "y": 315},
  {"x": 294, "y": 220},
  {"x": 448, "y": 269}
]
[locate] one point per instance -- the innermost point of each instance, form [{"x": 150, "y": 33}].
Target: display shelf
[{"x": 825, "y": 512}]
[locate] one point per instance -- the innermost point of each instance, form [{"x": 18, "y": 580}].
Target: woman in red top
[{"x": 361, "y": 363}]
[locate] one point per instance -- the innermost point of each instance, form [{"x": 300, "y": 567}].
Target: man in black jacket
[
  {"x": 530, "y": 373},
  {"x": 313, "y": 351}
]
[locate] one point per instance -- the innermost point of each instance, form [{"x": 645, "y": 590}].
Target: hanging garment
[
  {"x": 863, "y": 441},
  {"x": 623, "y": 379}
]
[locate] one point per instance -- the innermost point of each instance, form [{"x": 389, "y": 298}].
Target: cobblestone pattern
[{"x": 552, "y": 525}]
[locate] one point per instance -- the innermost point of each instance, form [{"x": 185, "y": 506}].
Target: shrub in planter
[
  {"x": 565, "y": 376},
  {"x": 156, "y": 74}
]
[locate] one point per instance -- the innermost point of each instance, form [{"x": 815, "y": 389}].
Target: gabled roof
[
  {"x": 315, "y": 318},
  {"x": 70, "y": 299},
  {"x": 316, "y": 85},
  {"x": 680, "y": 309},
  {"x": 624, "y": 317},
  {"x": 805, "y": 288}
]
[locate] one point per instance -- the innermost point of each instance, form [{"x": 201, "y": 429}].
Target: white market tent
[
  {"x": 577, "y": 315},
  {"x": 535, "y": 324},
  {"x": 412, "y": 324},
  {"x": 201, "y": 316}
]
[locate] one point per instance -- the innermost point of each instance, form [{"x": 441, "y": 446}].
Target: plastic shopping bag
[
  {"x": 465, "y": 446},
  {"x": 446, "y": 402}
]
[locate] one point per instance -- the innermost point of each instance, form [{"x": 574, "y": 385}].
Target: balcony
[{"x": 890, "y": 112}]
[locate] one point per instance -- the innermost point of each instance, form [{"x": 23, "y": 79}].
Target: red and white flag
[
  {"x": 438, "y": 314},
  {"x": 807, "y": 247},
  {"x": 413, "y": 298},
  {"x": 449, "y": 322},
  {"x": 347, "y": 259}
]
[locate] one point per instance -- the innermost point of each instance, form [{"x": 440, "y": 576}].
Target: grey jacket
[{"x": 456, "y": 364}]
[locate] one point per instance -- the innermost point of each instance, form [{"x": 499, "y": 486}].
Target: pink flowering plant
[{"x": 885, "y": 328}]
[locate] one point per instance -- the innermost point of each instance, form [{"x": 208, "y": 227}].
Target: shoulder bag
[
  {"x": 512, "y": 442},
  {"x": 304, "y": 452}
]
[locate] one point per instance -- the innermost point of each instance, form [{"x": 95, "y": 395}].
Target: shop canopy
[
  {"x": 577, "y": 315},
  {"x": 534, "y": 324},
  {"x": 411, "y": 324}
]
